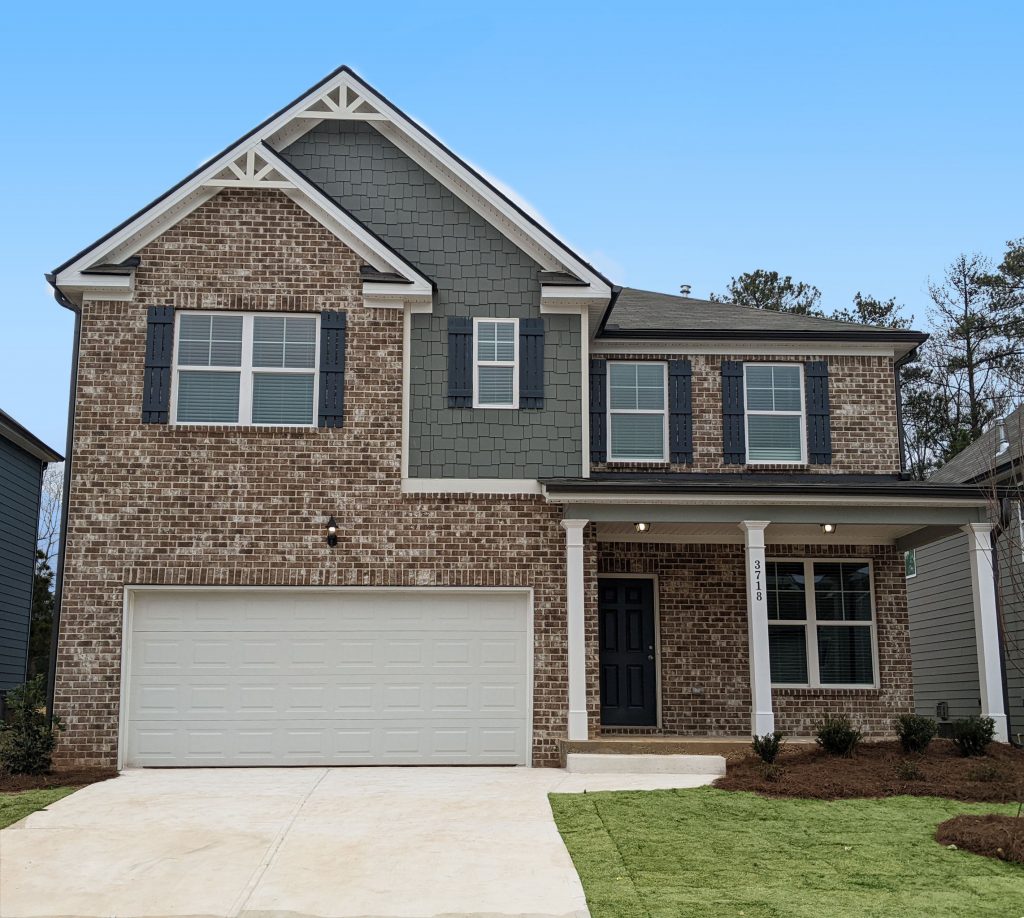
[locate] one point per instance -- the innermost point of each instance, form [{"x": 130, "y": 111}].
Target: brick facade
[
  {"x": 862, "y": 402},
  {"x": 702, "y": 614}
]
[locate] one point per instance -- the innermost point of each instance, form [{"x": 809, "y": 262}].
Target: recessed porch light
[
  {"x": 642, "y": 527},
  {"x": 828, "y": 528}
]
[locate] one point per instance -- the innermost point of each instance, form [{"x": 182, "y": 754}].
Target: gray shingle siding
[
  {"x": 20, "y": 483},
  {"x": 478, "y": 272}
]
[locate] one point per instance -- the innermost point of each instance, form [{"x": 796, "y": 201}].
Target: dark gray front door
[{"x": 626, "y": 634}]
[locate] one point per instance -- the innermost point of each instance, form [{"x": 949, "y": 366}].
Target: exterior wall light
[
  {"x": 642, "y": 527},
  {"x": 332, "y": 532},
  {"x": 828, "y": 528}
]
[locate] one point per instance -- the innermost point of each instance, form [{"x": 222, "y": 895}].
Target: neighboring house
[
  {"x": 370, "y": 467},
  {"x": 23, "y": 459},
  {"x": 942, "y": 611}
]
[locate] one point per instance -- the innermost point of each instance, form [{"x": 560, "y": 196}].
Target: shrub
[
  {"x": 771, "y": 772},
  {"x": 908, "y": 770},
  {"x": 984, "y": 772},
  {"x": 972, "y": 734},
  {"x": 915, "y": 732},
  {"x": 767, "y": 747},
  {"x": 837, "y": 736},
  {"x": 26, "y": 739}
]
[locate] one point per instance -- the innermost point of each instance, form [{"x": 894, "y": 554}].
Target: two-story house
[{"x": 367, "y": 466}]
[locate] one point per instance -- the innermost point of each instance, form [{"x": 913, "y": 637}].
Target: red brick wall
[
  {"x": 703, "y": 638},
  {"x": 246, "y": 506},
  {"x": 862, "y": 403}
]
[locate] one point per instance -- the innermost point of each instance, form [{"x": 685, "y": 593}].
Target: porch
[{"x": 702, "y": 609}]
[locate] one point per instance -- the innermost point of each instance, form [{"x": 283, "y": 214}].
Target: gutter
[{"x": 51, "y": 676}]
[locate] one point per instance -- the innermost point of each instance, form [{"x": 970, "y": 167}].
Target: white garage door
[{"x": 310, "y": 677}]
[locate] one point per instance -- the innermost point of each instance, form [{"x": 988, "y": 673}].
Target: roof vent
[
  {"x": 1004, "y": 444},
  {"x": 684, "y": 289}
]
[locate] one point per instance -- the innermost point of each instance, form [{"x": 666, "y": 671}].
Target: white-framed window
[
  {"x": 637, "y": 411},
  {"x": 495, "y": 363},
  {"x": 821, "y": 623},
  {"x": 245, "y": 368},
  {"x": 910, "y": 563},
  {"x": 775, "y": 423}
]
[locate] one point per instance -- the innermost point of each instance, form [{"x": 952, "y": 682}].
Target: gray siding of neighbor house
[
  {"x": 20, "y": 483},
  {"x": 478, "y": 272},
  {"x": 942, "y": 639}
]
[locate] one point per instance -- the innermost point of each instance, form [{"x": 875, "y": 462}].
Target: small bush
[
  {"x": 973, "y": 734},
  {"x": 767, "y": 747},
  {"x": 26, "y": 740},
  {"x": 985, "y": 772},
  {"x": 908, "y": 770},
  {"x": 771, "y": 772},
  {"x": 915, "y": 732},
  {"x": 837, "y": 736}
]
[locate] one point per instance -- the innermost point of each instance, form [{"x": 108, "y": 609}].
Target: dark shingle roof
[
  {"x": 982, "y": 458},
  {"x": 22, "y": 437},
  {"x": 644, "y": 313}
]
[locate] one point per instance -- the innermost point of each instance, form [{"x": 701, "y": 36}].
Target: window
[
  {"x": 910, "y": 563},
  {"x": 637, "y": 419},
  {"x": 496, "y": 367},
  {"x": 235, "y": 368},
  {"x": 820, "y": 623},
  {"x": 775, "y": 417}
]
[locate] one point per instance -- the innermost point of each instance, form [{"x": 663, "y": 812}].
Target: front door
[{"x": 626, "y": 633}]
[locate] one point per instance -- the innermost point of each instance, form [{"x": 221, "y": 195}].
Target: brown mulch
[
  {"x": 59, "y": 777},
  {"x": 804, "y": 770},
  {"x": 994, "y": 836}
]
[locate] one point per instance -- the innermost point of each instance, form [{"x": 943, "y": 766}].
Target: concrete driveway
[{"x": 285, "y": 843}]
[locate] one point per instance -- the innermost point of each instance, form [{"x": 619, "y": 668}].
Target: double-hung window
[
  {"x": 774, "y": 398},
  {"x": 240, "y": 368},
  {"x": 821, "y": 629},
  {"x": 637, "y": 416},
  {"x": 496, "y": 363}
]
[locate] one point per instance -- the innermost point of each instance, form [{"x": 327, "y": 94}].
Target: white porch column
[
  {"x": 762, "y": 718},
  {"x": 986, "y": 626},
  {"x": 576, "y": 631}
]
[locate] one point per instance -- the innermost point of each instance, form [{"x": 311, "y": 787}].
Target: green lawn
[
  {"x": 17, "y": 806},
  {"x": 717, "y": 853}
]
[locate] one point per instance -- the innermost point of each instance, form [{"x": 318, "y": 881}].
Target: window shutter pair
[
  {"x": 680, "y": 411},
  {"x": 816, "y": 409},
  {"x": 156, "y": 385},
  {"x": 460, "y": 362}
]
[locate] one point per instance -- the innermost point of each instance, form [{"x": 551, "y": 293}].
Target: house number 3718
[{"x": 758, "y": 587}]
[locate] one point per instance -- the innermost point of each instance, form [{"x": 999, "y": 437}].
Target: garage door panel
[{"x": 264, "y": 678}]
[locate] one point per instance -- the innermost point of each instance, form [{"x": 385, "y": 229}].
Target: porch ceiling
[{"x": 775, "y": 534}]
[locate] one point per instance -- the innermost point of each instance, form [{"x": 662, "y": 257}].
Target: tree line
[{"x": 968, "y": 373}]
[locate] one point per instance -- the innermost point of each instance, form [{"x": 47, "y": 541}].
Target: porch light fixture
[
  {"x": 332, "y": 532},
  {"x": 828, "y": 528},
  {"x": 642, "y": 527}
]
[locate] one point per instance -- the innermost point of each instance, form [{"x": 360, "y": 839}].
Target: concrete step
[{"x": 624, "y": 763}]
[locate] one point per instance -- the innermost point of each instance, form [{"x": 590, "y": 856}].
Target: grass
[
  {"x": 708, "y": 852},
  {"x": 17, "y": 806}
]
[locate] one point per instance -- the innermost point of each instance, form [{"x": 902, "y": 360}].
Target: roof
[
  {"x": 762, "y": 483},
  {"x": 982, "y": 459},
  {"x": 647, "y": 314},
  {"x": 21, "y": 436}
]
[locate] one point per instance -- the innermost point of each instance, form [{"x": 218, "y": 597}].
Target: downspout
[
  {"x": 51, "y": 679},
  {"x": 997, "y": 531}
]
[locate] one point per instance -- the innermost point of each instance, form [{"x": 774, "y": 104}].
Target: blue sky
[{"x": 854, "y": 146}]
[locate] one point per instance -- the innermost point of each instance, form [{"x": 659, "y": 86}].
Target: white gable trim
[{"x": 342, "y": 96}]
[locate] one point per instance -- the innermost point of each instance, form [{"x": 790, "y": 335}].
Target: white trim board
[
  {"x": 470, "y": 486},
  {"x": 613, "y": 347}
]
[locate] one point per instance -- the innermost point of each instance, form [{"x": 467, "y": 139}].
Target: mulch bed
[
  {"x": 67, "y": 777},
  {"x": 994, "y": 836},
  {"x": 878, "y": 770}
]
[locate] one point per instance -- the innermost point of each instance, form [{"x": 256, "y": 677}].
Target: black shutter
[
  {"x": 460, "y": 362},
  {"x": 156, "y": 378},
  {"x": 819, "y": 424},
  {"x": 598, "y": 411},
  {"x": 734, "y": 441},
  {"x": 680, "y": 411},
  {"x": 531, "y": 363},
  {"x": 332, "y": 368}
]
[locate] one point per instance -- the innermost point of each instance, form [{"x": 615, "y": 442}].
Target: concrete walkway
[{"x": 286, "y": 843}]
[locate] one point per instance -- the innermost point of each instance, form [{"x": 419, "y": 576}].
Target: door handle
[{"x": 650, "y": 656}]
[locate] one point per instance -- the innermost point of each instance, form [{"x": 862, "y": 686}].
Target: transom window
[
  {"x": 821, "y": 623},
  {"x": 637, "y": 419},
  {"x": 496, "y": 363},
  {"x": 775, "y": 412},
  {"x": 236, "y": 368}
]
